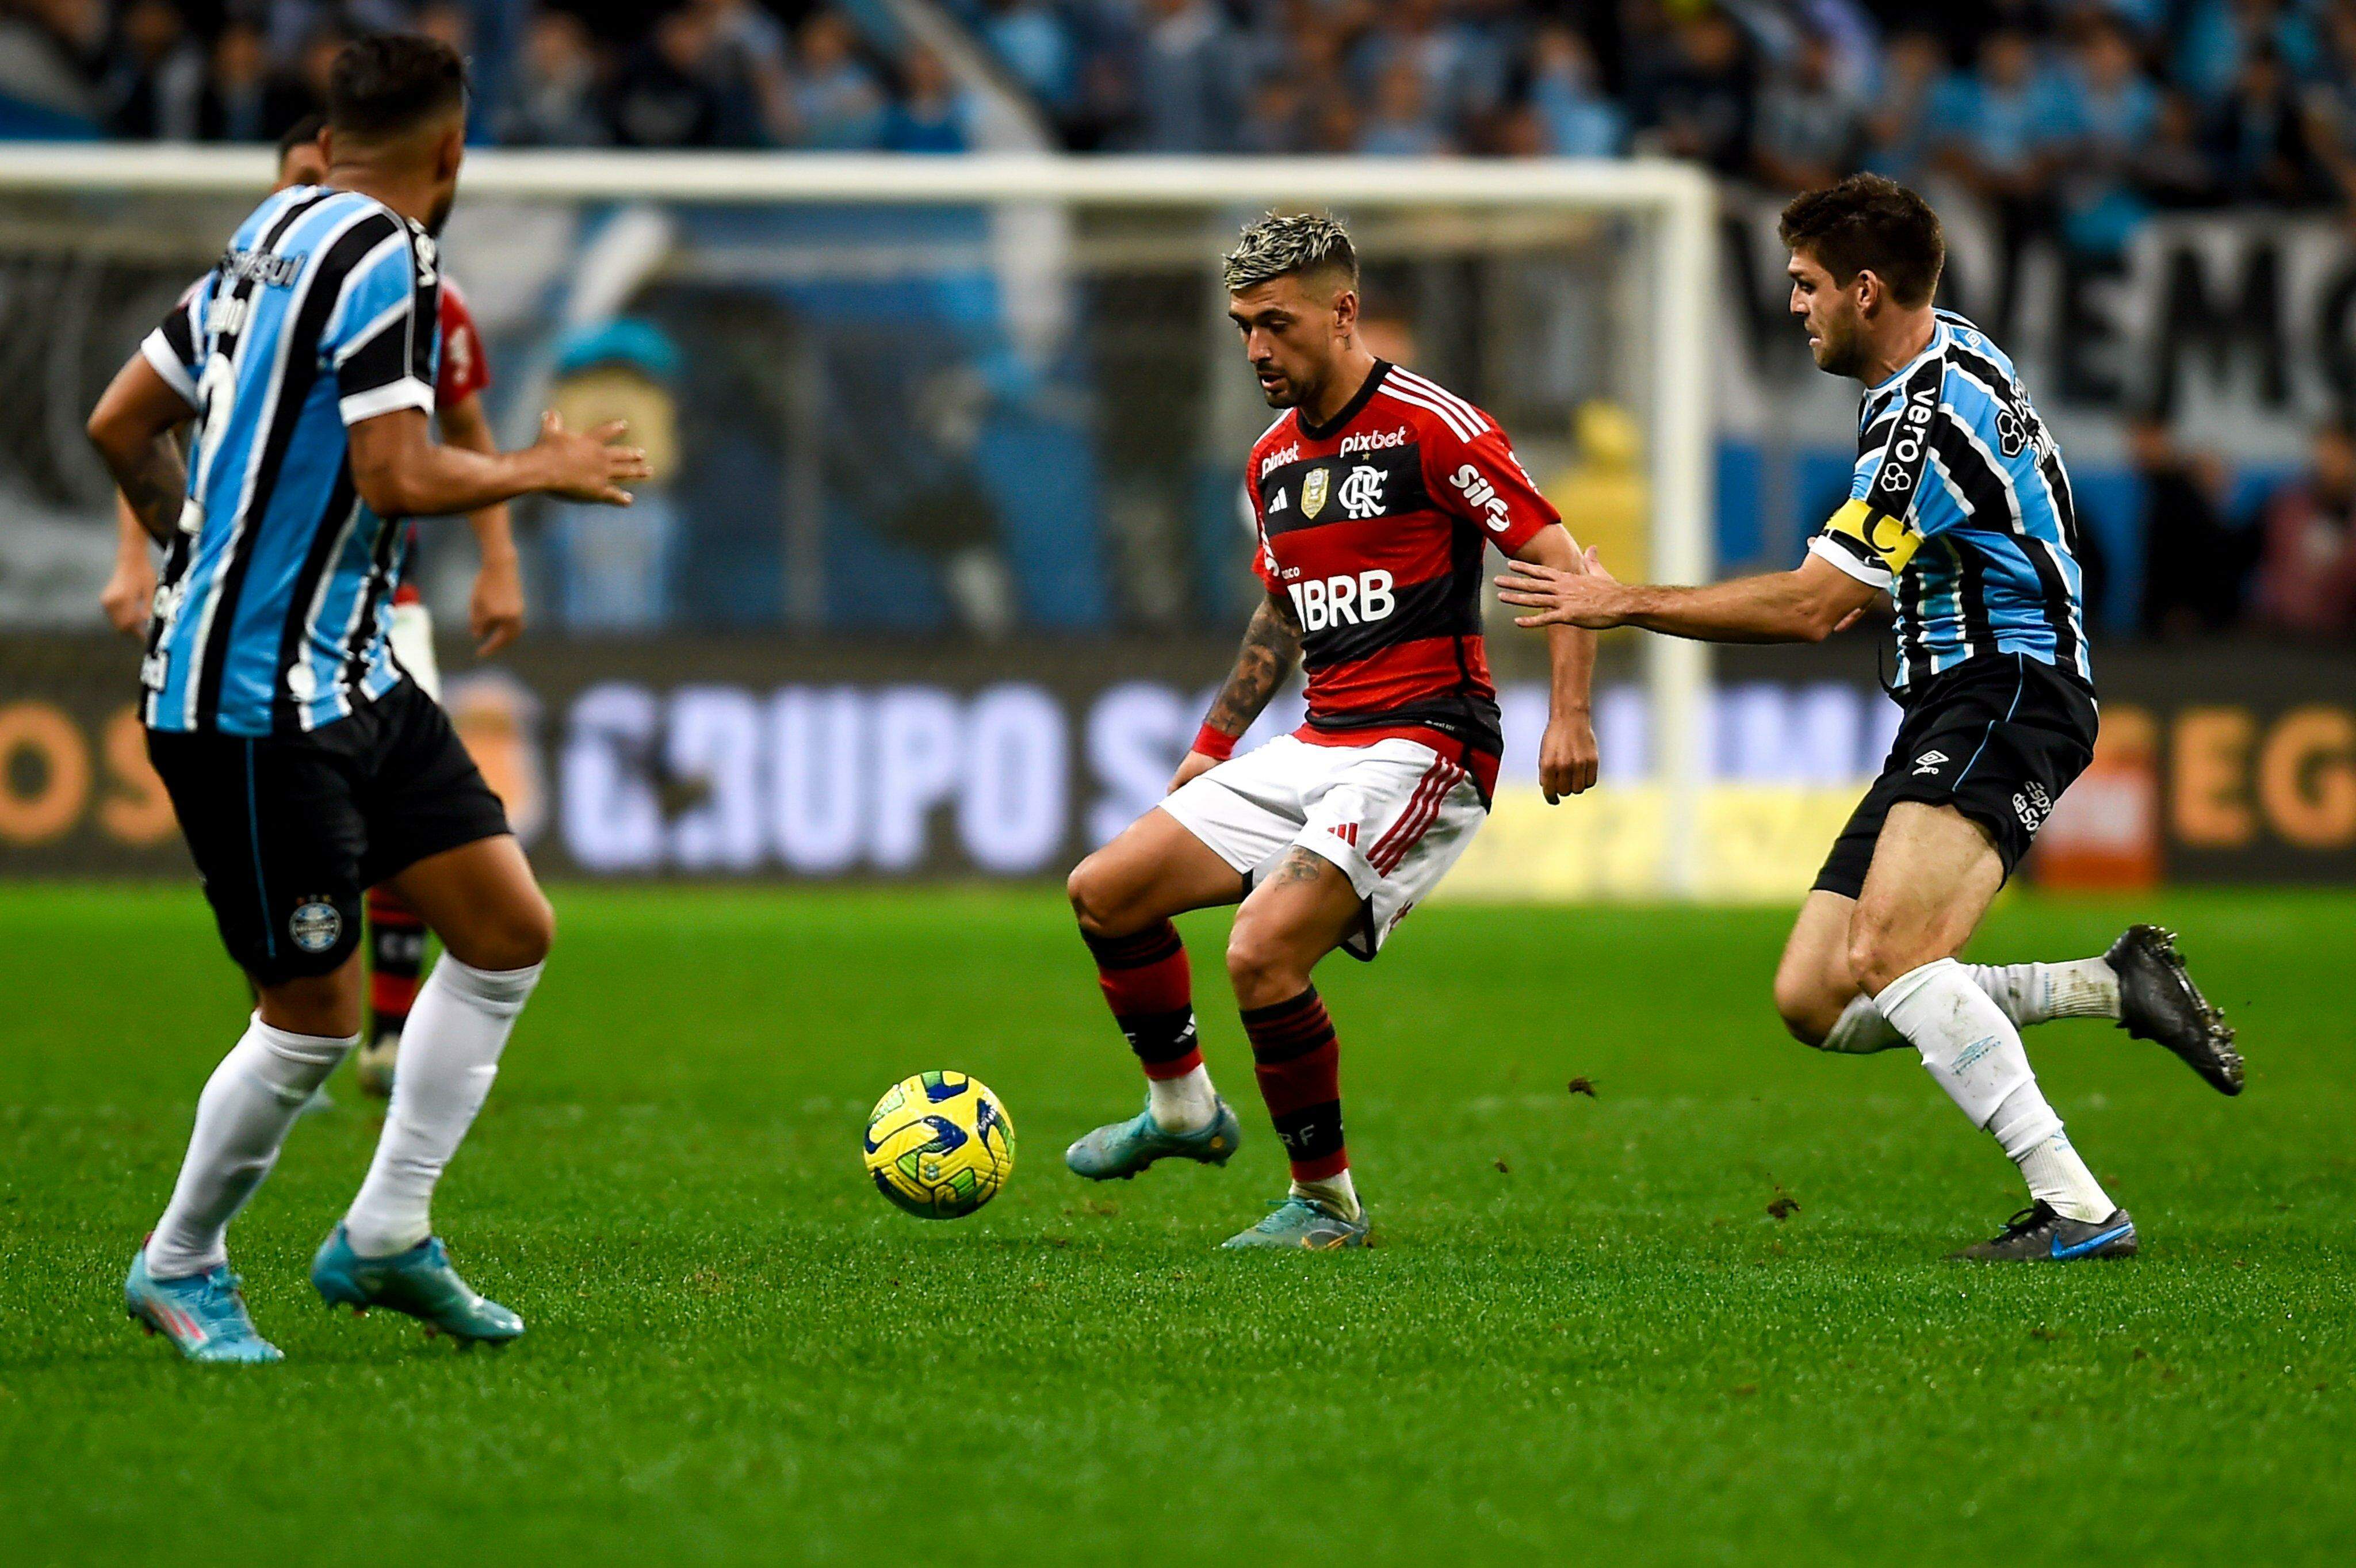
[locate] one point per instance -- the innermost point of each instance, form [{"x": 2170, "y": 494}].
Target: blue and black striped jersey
[
  {"x": 277, "y": 600},
  {"x": 1960, "y": 509}
]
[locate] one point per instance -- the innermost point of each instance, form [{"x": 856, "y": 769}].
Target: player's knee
[
  {"x": 1090, "y": 889},
  {"x": 517, "y": 937},
  {"x": 1808, "y": 1013},
  {"x": 1262, "y": 967},
  {"x": 1878, "y": 955}
]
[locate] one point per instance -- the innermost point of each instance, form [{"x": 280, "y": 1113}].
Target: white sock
[
  {"x": 1974, "y": 1052},
  {"x": 2038, "y": 993},
  {"x": 242, "y": 1117},
  {"x": 2032, "y": 1133},
  {"x": 449, "y": 1055},
  {"x": 1861, "y": 1030},
  {"x": 2028, "y": 993},
  {"x": 1185, "y": 1105},
  {"x": 1335, "y": 1192}
]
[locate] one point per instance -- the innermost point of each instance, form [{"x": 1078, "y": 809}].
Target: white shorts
[
  {"x": 412, "y": 645},
  {"x": 1392, "y": 816}
]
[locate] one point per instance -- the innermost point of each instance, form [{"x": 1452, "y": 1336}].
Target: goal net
[{"x": 985, "y": 412}]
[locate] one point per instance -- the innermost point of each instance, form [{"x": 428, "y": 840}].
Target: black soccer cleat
[
  {"x": 2037, "y": 1234},
  {"x": 2158, "y": 1000}
]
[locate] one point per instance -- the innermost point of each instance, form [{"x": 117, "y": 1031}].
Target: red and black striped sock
[
  {"x": 396, "y": 959},
  {"x": 1299, "y": 1064},
  {"x": 1150, "y": 990}
]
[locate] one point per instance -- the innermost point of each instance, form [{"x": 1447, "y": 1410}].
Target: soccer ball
[{"x": 940, "y": 1144}]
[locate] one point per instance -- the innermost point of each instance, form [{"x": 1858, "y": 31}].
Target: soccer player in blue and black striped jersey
[
  {"x": 1960, "y": 512},
  {"x": 304, "y": 765}
]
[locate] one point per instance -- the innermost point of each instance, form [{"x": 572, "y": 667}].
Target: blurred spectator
[
  {"x": 245, "y": 99},
  {"x": 2217, "y": 38},
  {"x": 1899, "y": 129},
  {"x": 669, "y": 95},
  {"x": 155, "y": 75},
  {"x": 2258, "y": 137},
  {"x": 931, "y": 114},
  {"x": 2329, "y": 110},
  {"x": 1187, "y": 77},
  {"x": 2306, "y": 571},
  {"x": 751, "y": 55},
  {"x": 552, "y": 95},
  {"x": 2172, "y": 168},
  {"x": 2193, "y": 564},
  {"x": 838, "y": 102},
  {"x": 1577, "y": 119},
  {"x": 1811, "y": 130},
  {"x": 1701, "y": 104},
  {"x": 1037, "y": 46},
  {"x": 2114, "y": 110},
  {"x": 2007, "y": 130},
  {"x": 1401, "y": 125}
]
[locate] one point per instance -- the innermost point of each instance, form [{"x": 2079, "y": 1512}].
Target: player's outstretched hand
[
  {"x": 587, "y": 465},
  {"x": 1591, "y": 599},
  {"x": 1568, "y": 758}
]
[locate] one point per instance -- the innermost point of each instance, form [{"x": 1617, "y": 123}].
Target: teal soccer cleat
[
  {"x": 419, "y": 1281},
  {"x": 1299, "y": 1222},
  {"x": 203, "y": 1315},
  {"x": 1124, "y": 1148}
]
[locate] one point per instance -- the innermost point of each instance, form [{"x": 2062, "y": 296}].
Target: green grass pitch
[{"x": 1582, "y": 1336}]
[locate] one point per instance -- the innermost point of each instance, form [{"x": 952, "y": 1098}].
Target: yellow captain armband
[{"x": 1889, "y": 539}]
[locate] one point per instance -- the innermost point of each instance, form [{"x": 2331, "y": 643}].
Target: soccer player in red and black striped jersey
[{"x": 1377, "y": 494}]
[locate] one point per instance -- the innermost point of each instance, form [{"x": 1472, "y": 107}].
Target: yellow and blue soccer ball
[{"x": 940, "y": 1144}]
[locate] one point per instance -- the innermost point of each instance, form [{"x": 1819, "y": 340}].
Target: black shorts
[
  {"x": 289, "y": 831},
  {"x": 1998, "y": 737}
]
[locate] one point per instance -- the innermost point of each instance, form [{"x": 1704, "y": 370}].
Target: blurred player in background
[
  {"x": 1960, "y": 509},
  {"x": 303, "y": 763},
  {"x": 396, "y": 934},
  {"x": 1376, "y": 493}
]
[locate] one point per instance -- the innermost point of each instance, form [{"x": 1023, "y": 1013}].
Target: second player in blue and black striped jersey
[
  {"x": 278, "y": 592},
  {"x": 1960, "y": 509}
]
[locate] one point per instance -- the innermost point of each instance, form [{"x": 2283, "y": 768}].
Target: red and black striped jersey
[{"x": 1372, "y": 528}]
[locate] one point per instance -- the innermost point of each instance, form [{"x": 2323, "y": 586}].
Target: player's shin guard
[
  {"x": 1299, "y": 1064},
  {"x": 1151, "y": 989},
  {"x": 1974, "y": 1052},
  {"x": 449, "y": 1055},
  {"x": 396, "y": 960},
  {"x": 247, "y": 1108},
  {"x": 1148, "y": 986}
]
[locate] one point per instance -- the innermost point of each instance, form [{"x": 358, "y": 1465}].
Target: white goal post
[{"x": 1673, "y": 205}]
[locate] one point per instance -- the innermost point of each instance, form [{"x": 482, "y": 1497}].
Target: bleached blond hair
[{"x": 1284, "y": 244}]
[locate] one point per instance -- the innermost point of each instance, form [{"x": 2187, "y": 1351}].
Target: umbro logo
[{"x": 1929, "y": 762}]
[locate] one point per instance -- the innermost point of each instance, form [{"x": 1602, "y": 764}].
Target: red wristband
[{"x": 1216, "y": 744}]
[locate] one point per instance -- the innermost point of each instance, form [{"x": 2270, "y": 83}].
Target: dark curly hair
[{"x": 1866, "y": 223}]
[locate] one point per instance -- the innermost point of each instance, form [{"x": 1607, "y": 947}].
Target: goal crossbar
[{"x": 1676, "y": 203}]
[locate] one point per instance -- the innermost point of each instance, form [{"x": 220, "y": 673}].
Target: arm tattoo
[
  {"x": 1271, "y": 645},
  {"x": 154, "y": 485}
]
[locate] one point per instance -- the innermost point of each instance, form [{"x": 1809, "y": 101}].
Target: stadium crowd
[
  {"x": 2080, "y": 115},
  {"x": 2072, "y": 120}
]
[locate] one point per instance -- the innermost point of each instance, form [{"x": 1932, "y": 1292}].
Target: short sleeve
[
  {"x": 381, "y": 335},
  {"x": 1263, "y": 555},
  {"x": 172, "y": 348},
  {"x": 463, "y": 370},
  {"x": 1482, "y": 481}
]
